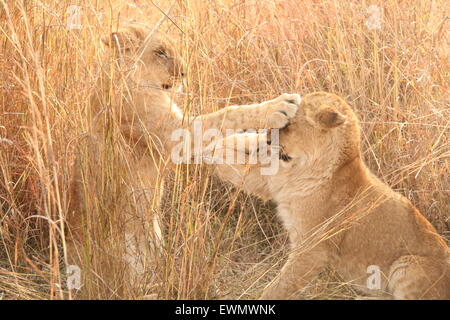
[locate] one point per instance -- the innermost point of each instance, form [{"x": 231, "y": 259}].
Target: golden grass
[{"x": 219, "y": 243}]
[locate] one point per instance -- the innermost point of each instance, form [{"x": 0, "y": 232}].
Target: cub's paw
[{"x": 282, "y": 109}]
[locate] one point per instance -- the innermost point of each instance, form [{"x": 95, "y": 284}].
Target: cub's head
[
  {"x": 325, "y": 131},
  {"x": 149, "y": 60}
]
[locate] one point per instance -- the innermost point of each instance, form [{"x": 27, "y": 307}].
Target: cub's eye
[
  {"x": 161, "y": 52},
  {"x": 284, "y": 157}
]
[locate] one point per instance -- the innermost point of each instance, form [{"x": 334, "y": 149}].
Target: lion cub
[
  {"x": 339, "y": 214},
  {"x": 133, "y": 105}
]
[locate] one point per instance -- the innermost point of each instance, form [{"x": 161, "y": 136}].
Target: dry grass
[{"x": 220, "y": 243}]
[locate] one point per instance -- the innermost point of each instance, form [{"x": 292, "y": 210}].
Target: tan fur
[
  {"x": 132, "y": 83},
  {"x": 338, "y": 214},
  {"x": 142, "y": 112}
]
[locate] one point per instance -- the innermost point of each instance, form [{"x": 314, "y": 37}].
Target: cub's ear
[
  {"x": 129, "y": 38},
  {"x": 329, "y": 117}
]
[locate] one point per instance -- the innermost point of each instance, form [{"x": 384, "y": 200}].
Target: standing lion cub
[{"x": 339, "y": 214}]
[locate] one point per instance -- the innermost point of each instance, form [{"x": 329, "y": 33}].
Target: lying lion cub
[{"x": 338, "y": 214}]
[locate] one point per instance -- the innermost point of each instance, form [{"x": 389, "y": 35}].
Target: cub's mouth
[{"x": 174, "y": 81}]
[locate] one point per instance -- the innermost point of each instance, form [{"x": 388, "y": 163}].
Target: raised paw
[{"x": 281, "y": 110}]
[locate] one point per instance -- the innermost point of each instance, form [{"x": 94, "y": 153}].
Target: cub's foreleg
[
  {"x": 300, "y": 269},
  {"x": 274, "y": 113}
]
